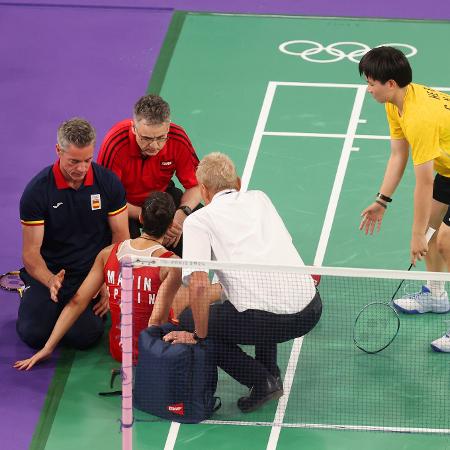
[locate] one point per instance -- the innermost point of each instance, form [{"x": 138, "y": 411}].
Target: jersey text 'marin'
[{"x": 141, "y": 284}]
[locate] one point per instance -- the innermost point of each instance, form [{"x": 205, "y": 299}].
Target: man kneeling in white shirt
[{"x": 261, "y": 308}]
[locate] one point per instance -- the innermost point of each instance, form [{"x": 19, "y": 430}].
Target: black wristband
[
  {"x": 185, "y": 209},
  {"x": 197, "y": 338},
  {"x": 384, "y": 197},
  {"x": 381, "y": 203}
]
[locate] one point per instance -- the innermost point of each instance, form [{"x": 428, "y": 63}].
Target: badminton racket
[
  {"x": 377, "y": 324},
  {"x": 11, "y": 281}
]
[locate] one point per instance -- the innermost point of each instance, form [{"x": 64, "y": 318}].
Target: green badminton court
[{"x": 282, "y": 96}]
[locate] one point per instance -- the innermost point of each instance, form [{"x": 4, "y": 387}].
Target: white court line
[
  {"x": 287, "y": 385},
  {"x": 332, "y": 85},
  {"x": 264, "y": 113},
  {"x": 339, "y": 179},
  {"x": 172, "y": 436},
  {"x": 320, "y": 253},
  {"x": 251, "y": 158},
  {"x": 324, "y": 135},
  {"x": 248, "y": 169},
  {"x": 258, "y": 134},
  {"x": 330, "y": 426},
  {"x": 372, "y": 136},
  {"x": 339, "y": 85}
]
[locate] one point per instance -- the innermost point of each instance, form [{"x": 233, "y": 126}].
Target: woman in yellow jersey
[{"x": 419, "y": 118}]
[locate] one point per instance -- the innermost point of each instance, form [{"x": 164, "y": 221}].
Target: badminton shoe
[
  {"x": 422, "y": 302},
  {"x": 270, "y": 389},
  {"x": 442, "y": 344}
]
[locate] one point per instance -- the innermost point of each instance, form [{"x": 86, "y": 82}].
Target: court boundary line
[
  {"x": 340, "y": 175},
  {"x": 52, "y": 399},
  {"x": 324, "y": 237},
  {"x": 327, "y": 426},
  {"x": 287, "y": 384},
  {"x": 324, "y": 135},
  {"x": 246, "y": 176},
  {"x": 258, "y": 134},
  {"x": 154, "y": 86},
  {"x": 315, "y": 17},
  {"x": 172, "y": 436},
  {"x": 166, "y": 53}
]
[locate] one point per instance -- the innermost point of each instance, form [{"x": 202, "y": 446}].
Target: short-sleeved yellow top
[{"x": 425, "y": 124}]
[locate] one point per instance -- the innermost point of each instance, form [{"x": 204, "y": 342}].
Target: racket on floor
[
  {"x": 377, "y": 324},
  {"x": 11, "y": 281}
]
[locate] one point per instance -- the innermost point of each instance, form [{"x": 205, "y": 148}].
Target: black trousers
[
  {"x": 263, "y": 329},
  {"x": 176, "y": 194},
  {"x": 38, "y": 314}
]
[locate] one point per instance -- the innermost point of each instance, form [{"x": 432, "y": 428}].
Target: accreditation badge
[{"x": 96, "y": 202}]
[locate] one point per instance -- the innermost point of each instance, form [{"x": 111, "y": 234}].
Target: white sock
[{"x": 437, "y": 288}]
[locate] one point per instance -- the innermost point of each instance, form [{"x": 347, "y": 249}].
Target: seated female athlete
[{"x": 154, "y": 288}]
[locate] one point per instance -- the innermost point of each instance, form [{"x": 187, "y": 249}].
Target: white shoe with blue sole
[
  {"x": 442, "y": 344},
  {"x": 423, "y": 302}
]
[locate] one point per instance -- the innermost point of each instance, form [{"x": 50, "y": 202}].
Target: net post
[{"x": 126, "y": 336}]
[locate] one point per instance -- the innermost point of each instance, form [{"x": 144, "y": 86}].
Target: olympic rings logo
[{"x": 336, "y": 53}]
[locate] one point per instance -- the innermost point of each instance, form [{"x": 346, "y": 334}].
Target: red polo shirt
[{"x": 142, "y": 175}]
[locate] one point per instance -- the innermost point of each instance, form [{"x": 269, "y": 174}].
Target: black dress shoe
[
  {"x": 279, "y": 382},
  {"x": 270, "y": 389},
  {"x": 277, "y": 375}
]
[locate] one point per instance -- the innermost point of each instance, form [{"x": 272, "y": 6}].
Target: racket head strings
[
  {"x": 12, "y": 282},
  {"x": 376, "y": 327}
]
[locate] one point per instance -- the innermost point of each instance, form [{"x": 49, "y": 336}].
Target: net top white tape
[{"x": 414, "y": 274}]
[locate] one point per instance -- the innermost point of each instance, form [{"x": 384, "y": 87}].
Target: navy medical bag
[{"x": 175, "y": 381}]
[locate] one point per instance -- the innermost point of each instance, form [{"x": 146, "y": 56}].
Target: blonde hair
[{"x": 217, "y": 172}]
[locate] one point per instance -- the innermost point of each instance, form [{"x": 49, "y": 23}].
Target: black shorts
[
  {"x": 441, "y": 193},
  {"x": 441, "y": 189}
]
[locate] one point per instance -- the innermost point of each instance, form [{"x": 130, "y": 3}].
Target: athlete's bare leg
[
  {"x": 443, "y": 244},
  {"x": 435, "y": 261}
]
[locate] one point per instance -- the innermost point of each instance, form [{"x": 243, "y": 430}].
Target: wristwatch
[{"x": 185, "y": 209}]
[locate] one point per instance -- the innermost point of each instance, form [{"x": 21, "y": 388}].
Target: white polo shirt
[{"x": 245, "y": 227}]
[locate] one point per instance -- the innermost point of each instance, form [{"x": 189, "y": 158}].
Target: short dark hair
[
  {"x": 386, "y": 63},
  {"x": 158, "y": 211},
  {"x": 77, "y": 132},
  {"x": 152, "y": 109}
]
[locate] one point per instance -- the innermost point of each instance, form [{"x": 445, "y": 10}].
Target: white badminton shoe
[
  {"x": 442, "y": 344},
  {"x": 423, "y": 302}
]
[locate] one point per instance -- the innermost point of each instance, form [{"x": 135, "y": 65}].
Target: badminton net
[{"x": 328, "y": 382}]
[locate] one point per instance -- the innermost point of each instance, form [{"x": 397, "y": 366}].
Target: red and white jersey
[{"x": 146, "y": 282}]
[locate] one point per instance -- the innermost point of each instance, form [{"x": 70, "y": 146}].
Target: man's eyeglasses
[{"x": 150, "y": 140}]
